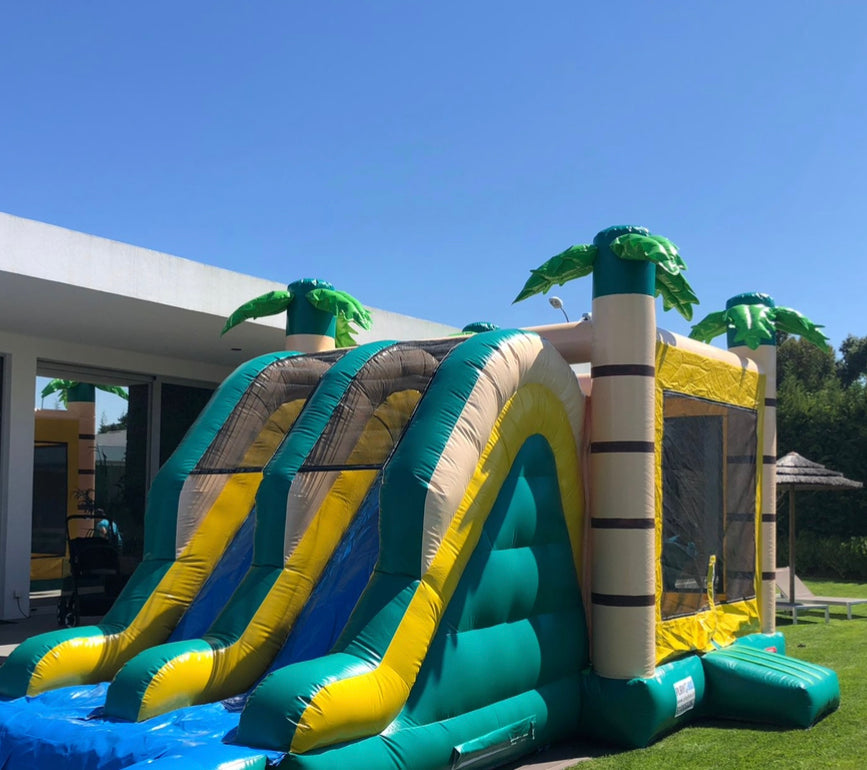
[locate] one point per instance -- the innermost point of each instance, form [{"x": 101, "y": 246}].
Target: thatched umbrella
[{"x": 795, "y": 472}]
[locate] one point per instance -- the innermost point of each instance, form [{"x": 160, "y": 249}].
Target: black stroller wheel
[{"x": 68, "y": 613}]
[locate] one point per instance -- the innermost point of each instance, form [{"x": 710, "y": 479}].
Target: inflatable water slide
[
  {"x": 450, "y": 542},
  {"x": 461, "y": 554}
]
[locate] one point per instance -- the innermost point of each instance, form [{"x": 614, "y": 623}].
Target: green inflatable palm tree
[
  {"x": 79, "y": 391},
  {"x": 579, "y": 261},
  {"x": 312, "y": 307},
  {"x": 754, "y": 319}
]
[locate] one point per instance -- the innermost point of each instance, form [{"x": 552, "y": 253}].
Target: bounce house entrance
[{"x": 708, "y": 505}]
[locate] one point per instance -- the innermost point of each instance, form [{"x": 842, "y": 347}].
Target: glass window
[
  {"x": 50, "y": 492},
  {"x": 179, "y": 407}
]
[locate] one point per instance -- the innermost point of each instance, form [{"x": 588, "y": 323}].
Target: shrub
[{"x": 831, "y": 556}]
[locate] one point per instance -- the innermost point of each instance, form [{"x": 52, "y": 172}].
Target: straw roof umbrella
[{"x": 795, "y": 472}]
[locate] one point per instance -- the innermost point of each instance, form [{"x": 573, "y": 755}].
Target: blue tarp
[{"x": 63, "y": 729}]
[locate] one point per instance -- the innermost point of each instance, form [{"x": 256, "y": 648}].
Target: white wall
[{"x": 16, "y": 480}]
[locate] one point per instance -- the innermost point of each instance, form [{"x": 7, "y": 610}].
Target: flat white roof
[{"x": 74, "y": 287}]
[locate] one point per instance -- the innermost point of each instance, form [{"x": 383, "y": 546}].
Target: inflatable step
[{"x": 754, "y": 685}]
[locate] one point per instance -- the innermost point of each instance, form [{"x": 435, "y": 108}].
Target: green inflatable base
[
  {"x": 632, "y": 713},
  {"x": 753, "y": 685},
  {"x": 751, "y": 680}
]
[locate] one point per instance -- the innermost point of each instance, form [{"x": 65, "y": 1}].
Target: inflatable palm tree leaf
[
  {"x": 670, "y": 281},
  {"x": 340, "y": 304},
  {"x": 676, "y": 293},
  {"x": 671, "y": 250},
  {"x": 64, "y": 386},
  {"x": 793, "y": 322},
  {"x": 116, "y": 390},
  {"x": 344, "y": 333},
  {"x": 576, "y": 262},
  {"x": 347, "y": 310},
  {"x": 711, "y": 326},
  {"x": 268, "y": 304},
  {"x": 649, "y": 248},
  {"x": 58, "y": 386},
  {"x": 752, "y": 324}
]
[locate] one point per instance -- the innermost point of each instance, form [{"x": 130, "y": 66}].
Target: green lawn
[{"x": 838, "y": 741}]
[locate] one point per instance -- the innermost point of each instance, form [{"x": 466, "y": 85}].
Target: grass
[{"x": 837, "y": 741}]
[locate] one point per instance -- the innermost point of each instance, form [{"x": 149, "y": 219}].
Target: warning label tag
[{"x": 684, "y": 691}]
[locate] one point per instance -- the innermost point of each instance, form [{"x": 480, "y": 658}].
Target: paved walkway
[
  {"x": 557, "y": 757},
  {"x": 43, "y": 617}
]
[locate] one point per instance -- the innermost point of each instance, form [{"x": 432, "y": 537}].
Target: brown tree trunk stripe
[
  {"x": 622, "y": 370},
  {"x": 645, "y": 447},
  {"x": 599, "y": 523},
  {"x": 623, "y": 600}
]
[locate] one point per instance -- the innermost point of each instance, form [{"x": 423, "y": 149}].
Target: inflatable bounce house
[{"x": 445, "y": 554}]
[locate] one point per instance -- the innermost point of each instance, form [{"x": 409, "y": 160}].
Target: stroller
[{"x": 94, "y": 579}]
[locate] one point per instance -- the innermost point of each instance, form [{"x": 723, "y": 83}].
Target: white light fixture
[{"x": 557, "y": 304}]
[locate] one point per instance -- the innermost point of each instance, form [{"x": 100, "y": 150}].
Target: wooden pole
[{"x": 792, "y": 545}]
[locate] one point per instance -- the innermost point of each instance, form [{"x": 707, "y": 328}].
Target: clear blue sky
[{"x": 424, "y": 156}]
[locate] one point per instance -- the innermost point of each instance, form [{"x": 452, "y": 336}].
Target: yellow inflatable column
[
  {"x": 765, "y": 356},
  {"x": 622, "y": 505}
]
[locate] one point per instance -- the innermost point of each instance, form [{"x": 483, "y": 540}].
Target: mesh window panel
[
  {"x": 368, "y": 422},
  {"x": 280, "y": 383},
  {"x": 708, "y": 504},
  {"x": 179, "y": 407},
  {"x": 402, "y": 367}
]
